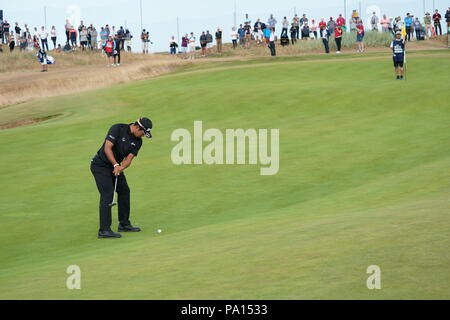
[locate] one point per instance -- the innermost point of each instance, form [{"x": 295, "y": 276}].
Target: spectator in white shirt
[
  {"x": 191, "y": 45},
  {"x": 374, "y": 22},
  {"x": 53, "y": 36},
  {"x": 234, "y": 37},
  {"x": 43, "y": 36}
]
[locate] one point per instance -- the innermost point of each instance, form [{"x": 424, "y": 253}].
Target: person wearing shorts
[
  {"x": 360, "y": 35},
  {"x": 398, "y": 50}
]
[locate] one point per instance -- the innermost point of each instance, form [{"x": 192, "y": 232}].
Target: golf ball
[{"x": 159, "y": 230}]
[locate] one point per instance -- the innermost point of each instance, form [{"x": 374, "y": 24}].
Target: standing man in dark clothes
[
  {"x": 121, "y": 36},
  {"x": 219, "y": 40},
  {"x": 120, "y": 147},
  {"x": 117, "y": 49},
  {"x": 447, "y": 17},
  {"x": 1, "y": 32},
  {"x": 437, "y": 22},
  {"x": 209, "y": 40},
  {"x": 203, "y": 42},
  {"x": 17, "y": 30},
  {"x": 241, "y": 33},
  {"x": 293, "y": 31},
  {"x": 6, "y": 27},
  {"x": 273, "y": 51}
]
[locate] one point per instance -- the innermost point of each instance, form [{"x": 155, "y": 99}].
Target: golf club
[{"x": 112, "y": 204}]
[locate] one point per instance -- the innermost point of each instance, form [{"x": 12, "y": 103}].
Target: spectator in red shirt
[
  {"x": 340, "y": 21},
  {"x": 338, "y": 38},
  {"x": 322, "y": 27},
  {"x": 360, "y": 35},
  {"x": 437, "y": 22}
]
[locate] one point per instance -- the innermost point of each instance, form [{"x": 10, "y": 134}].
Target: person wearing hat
[
  {"x": 398, "y": 49},
  {"x": 408, "y": 25},
  {"x": 427, "y": 22},
  {"x": 120, "y": 147}
]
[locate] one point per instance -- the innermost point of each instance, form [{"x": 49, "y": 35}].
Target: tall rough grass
[{"x": 27, "y": 60}]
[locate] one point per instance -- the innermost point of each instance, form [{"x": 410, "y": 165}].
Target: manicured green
[{"x": 364, "y": 180}]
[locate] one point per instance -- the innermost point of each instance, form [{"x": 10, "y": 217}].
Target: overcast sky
[{"x": 160, "y": 17}]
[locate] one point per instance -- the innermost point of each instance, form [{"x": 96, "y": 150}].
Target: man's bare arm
[{"x": 127, "y": 161}]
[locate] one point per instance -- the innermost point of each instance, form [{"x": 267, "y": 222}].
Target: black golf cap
[{"x": 145, "y": 124}]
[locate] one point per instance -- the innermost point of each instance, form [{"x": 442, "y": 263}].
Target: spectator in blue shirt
[
  {"x": 408, "y": 24},
  {"x": 241, "y": 33}
]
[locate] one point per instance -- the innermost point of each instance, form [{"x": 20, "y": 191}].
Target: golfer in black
[{"x": 121, "y": 145}]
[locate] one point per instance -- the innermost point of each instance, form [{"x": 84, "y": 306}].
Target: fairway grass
[{"x": 363, "y": 180}]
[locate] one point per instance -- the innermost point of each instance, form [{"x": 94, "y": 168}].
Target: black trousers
[
  {"x": 105, "y": 180},
  {"x": 437, "y": 26},
  {"x": 272, "y": 48},
  {"x": 325, "y": 44},
  {"x": 117, "y": 56},
  {"x": 44, "y": 44},
  {"x": 338, "y": 43},
  {"x": 408, "y": 33}
]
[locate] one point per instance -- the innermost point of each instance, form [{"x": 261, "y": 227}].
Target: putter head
[{"x": 112, "y": 204}]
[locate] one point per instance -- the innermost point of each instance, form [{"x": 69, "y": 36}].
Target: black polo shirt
[{"x": 124, "y": 143}]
